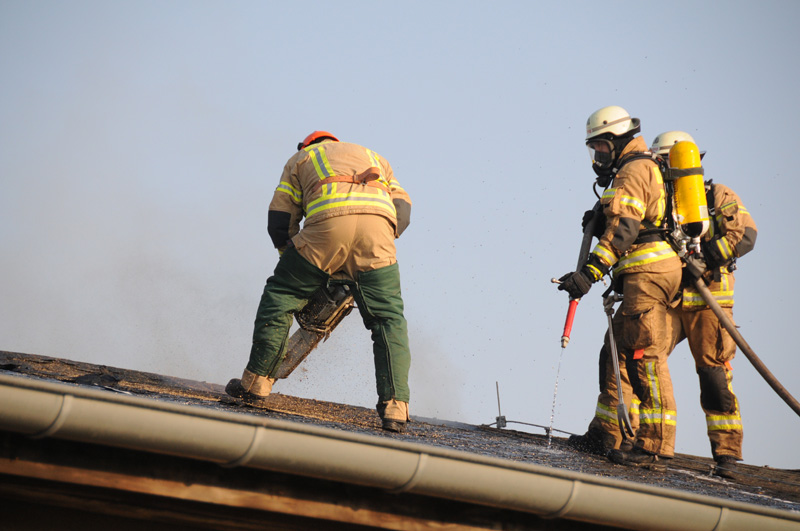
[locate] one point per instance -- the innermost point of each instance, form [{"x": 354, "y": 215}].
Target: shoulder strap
[
  {"x": 712, "y": 209},
  {"x": 636, "y": 155}
]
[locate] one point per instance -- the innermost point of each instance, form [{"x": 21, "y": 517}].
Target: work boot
[
  {"x": 640, "y": 458},
  {"x": 588, "y": 443},
  {"x": 393, "y": 425},
  {"x": 251, "y": 388},
  {"x": 394, "y": 415},
  {"x": 725, "y": 466}
]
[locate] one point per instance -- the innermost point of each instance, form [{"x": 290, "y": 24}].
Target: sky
[{"x": 141, "y": 142}]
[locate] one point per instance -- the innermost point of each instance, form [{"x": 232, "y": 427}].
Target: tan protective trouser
[
  {"x": 641, "y": 336},
  {"x": 348, "y": 244},
  {"x": 712, "y": 348},
  {"x": 640, "y": 330},
  {"x": 639, "y": 323}
]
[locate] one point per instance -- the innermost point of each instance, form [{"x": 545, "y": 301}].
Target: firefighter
[
  {"x": 732, "y": 234},
  {"x": 645, "y": 269},
  {"x": 353, "y": 209}
]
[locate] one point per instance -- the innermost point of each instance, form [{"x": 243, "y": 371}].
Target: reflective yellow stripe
[
  {"x": 287, "y": 188},
  {"x": 723, "y": 293},
  {"x": 724, "y": 248},
  {"x": 320, "y": 160},
  {"x": 609, "y": 193},
  {"x": 635, "y": 403},
  {"x": 659, "y": 251},
  {"x": 694, "y": 300},
  {"x": 603, "y": 412},
  {"x": 329, "y": 201},
  {"x": 652, "y": 380},
  {"x": 605, "y": 256},
  {"x": 376, "y": 162},
  {"x": 596, "y": 273},
  {"x": 656, "y": 415}
]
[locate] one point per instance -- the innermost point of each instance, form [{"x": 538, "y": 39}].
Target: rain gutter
[{"x": 48, "y": 409}]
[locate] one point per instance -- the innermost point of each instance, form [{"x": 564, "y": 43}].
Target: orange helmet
[{"x": 313, "y": 137}]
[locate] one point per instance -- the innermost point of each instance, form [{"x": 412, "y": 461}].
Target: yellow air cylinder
[{"x": 691, "y": 207}]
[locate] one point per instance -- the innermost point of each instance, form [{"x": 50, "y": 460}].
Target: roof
[{"x": 498, "y": 474}]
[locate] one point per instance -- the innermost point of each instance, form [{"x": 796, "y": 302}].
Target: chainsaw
[{"x": 323, "y": 312}]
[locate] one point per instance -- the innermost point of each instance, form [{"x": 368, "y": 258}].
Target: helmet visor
[{"x": 601, "y": 152}]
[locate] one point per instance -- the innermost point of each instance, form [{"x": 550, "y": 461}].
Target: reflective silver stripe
[
  {"x": 717, "y": 423},
  {"x": 603, "y": 412},
  {"x": 605, "y": 125},
  {"x": 289, "y": 189},
  {"x": 633, "y": 203},
  {"x": 320, "y": 161},
  {"x": 604, "y": 254},
  {"x": 658, "y": 416}
]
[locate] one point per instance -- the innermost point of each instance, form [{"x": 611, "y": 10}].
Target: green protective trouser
[{"x": 377, "y": 294}]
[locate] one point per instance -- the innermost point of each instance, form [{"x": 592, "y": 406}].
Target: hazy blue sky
[{"x": 141, "y": 141}]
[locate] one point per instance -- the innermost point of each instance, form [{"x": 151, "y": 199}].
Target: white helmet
[
  {"x": 664, "y": 142},
  {"x": 614, "y": 120}
]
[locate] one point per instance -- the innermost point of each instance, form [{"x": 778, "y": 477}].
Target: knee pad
[
  {"x": 714, "y": 392},
  {"x": 632, "y": 366}
]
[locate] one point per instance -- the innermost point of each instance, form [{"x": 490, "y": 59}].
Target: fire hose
[
  {"x": 583, "y": 256},
  {"x": 740, "y": 341}
]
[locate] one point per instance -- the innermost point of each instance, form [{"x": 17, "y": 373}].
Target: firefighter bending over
[{"x": 353, "y": 209}]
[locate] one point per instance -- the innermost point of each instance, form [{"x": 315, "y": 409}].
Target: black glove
[
  {"x": 577, "y": 284},
  {"x": 599, "y": 224},
  {"x": 695, "y": 265},
  {"x": 713, "y": 254}
]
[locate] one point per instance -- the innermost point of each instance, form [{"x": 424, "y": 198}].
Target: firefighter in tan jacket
[
  {"x": 732, "y": 234},
  {"x": 646, "y": 270},
  {"x": 353, "y": 209}
]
